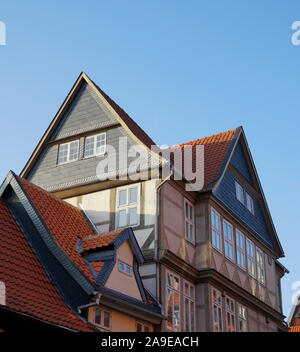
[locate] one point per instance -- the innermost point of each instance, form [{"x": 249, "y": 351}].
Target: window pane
[
  {"x": 187, "y": 316},
  {"x": 176, "y": 283},
  {"x": 133, "y": 195},
  {"x": 98, "y": 316},
  {"x": 121, "y": 266},
  {"x": 192, "y": 317},
  {"x": 123, "y": 197},
  {"x": 176, "y": 312},
  {"x": 100, "y": 144},
  {"x": 139, "y": 327},
  {"x": 122, "y": 218},
  {"x": 170, "y": 309},
  {"x": 133, "y": 218},
  {"x": 106, "y": 319},
  {"x": 89, "y": 146},
  {"x": 74, "y": 150},
  {"x": 63, "y": 153},
  {"x": 128, "y": 269}
]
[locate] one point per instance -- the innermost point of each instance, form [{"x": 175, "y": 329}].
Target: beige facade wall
[{"x": 120, "y": 281}]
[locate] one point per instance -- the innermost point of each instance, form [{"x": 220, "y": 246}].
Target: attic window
[
  {"x": 95, "y": 145},
  {"x": 249, "y": 203},
  {"x": 239, "y": 192},
  {"x": 68, "y": 152},
  {"x": 124, "y": 268}
]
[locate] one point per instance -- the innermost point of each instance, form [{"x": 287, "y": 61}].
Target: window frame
[
  {"x": 214, "y": 228},
  {"x": 190, "y": 298},
  {"x": 189, "y": 221},
  {"x": 124, "y": 271},
  {"x": 260, "y": 266},
  {"x": 242, "y": 318},
  {"x": 247, "y": 196},
  {"x": 68, "y": 152},
  {"x": 227, "y": 241},
  {"x": 251, "y": 258},
  {"x": 143, "y": 325},
  {"x": 101, "y": 325},
  {"x": 238, "y": 186},
  {"x": 219, "y": 309},
  {"x": 95, "y": 145},
  {"x": 174, "y": 291},
  {"x": 128, "y": 205},
  {"x": 239, "y": 249},
  {"x": 231, "y": 313}
]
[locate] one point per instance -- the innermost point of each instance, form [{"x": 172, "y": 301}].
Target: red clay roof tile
[
  {"x": 215, "y": 148},
  {"x": 28, "y": 288}
]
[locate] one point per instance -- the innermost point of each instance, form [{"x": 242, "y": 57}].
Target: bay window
[
  {"x": 228, "y": 240},
  {"x": 260, "y": 265},
  {"x": 216, "y": 230},
  {"x": 250, "y": 257},
  {"x": 240, "y": 250}
]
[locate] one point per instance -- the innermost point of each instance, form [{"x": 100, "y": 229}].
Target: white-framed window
[
  {"x": 95, "y": 145},
  {"x": 249, "y": 203},
  {"x": 189, "y": 221},
  {"x": 217, "y": 310},
  {"x": 128, "y": 206},
  {"x": 230, "y": 314},
  {"x": 173, "y": 301},
  {"x": 239, "y": 192},
  {"x": 250, "y": 257},
  {"x": 228, "y": 240},
  {"x": 260, "y": 265},
  {"x": 141, "y": 327},
  {"x": 102, "y": 318},
  {"x": 124, "y": 268},
  {"x": 216, "y": 230},
  {"x": 242, "y": 318},
  {"x": 68, "y": 152},
  {"x": 189, "y": 306},
  {"x": 240, "y": 250}
]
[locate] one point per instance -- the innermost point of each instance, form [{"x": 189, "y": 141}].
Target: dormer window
[
  {"x": 68, "y": 152},
  {"x": 95, "y": 145},
  {"x": 239, "y": 192}
]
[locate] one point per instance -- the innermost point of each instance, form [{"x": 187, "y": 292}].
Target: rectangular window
[
  {"x": 228, "y": 240},
  {"x": 141, "y": 327},
  {"x": 216, "y": 230},
  {"x": 173, "y": 302},
  {"x": 217, "y": 310},
  {"x": 250, "y": 257},
  {"x": 128, "y": 206},
  {"x": 239, "y": 192},
  {"x": 249, "y": 203},
  {"x": 124, "y": 268},
  {"x": 242, "y": 318},
  {"x": 68, "y": 152},
  {"x": 102, "y": 318},
  {"x": 240, "y": 250},
  {"x": 230, "y": 315},
  {"x": 189, "y": 307},
  {"x": 189, "y": 221},
  {"x": 260, "y": 265},
  {"x": 95, "y": 145}
]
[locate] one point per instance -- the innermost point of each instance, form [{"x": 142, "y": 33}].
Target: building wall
[{"x": 266, "y": 293}]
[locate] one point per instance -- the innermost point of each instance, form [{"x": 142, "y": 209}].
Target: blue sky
[{"x": 182, "y": 70}]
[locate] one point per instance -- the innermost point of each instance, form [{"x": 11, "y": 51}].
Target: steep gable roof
[
  {"x": 29, "y": 289},
  {"x": 135, "y": 131}
]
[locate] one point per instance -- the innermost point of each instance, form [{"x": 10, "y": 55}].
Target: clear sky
[{"x": 181, "y": 69}]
